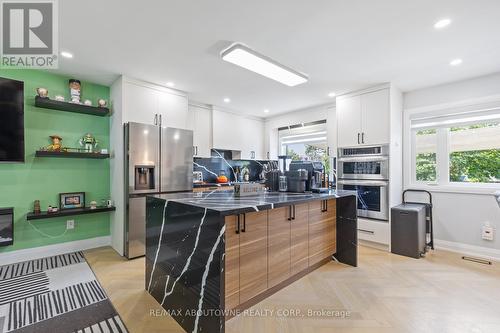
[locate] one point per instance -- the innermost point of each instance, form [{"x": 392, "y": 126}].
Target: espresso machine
[{"x": 315, "y": 171}]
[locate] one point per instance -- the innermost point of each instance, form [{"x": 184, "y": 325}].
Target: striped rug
[{"x": 55, "y": 294}]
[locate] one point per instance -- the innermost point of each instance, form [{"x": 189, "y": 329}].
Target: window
[
  {"x": 460, "y": 148},
  {"x": 307, "y": 142},
  {"x": 474, "y": 153},
  {"x": 426, "y": 150}
]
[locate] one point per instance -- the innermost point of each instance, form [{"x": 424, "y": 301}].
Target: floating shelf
[
  {"x": 46, "y": 153},
  {"x": 48, "y": 103},
  {"x": 68, "y": 212}
]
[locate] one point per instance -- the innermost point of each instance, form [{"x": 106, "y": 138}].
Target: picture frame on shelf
[{"x": 71, "y": 200}]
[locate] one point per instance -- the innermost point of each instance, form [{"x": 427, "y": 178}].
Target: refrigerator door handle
[{"x": 156, "y": 119}]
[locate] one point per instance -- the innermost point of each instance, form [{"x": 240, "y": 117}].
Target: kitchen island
[{"x": 210, "y": 255}]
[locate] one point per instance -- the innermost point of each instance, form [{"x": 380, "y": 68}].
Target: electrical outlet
[
  {"x": 70, "y": 224},
  {"x": 487, "y": 232}
]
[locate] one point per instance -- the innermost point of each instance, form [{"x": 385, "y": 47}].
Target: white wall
[
  {"x": 458, "y": 217},
  {"x": 291, "y": 118},
  {"x": 117, "y": 227}
]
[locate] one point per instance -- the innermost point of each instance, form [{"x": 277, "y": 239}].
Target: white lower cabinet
[{"x": 374, "y": 231}]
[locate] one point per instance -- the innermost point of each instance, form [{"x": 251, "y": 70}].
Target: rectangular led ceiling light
[{"x": 247, "y": 58}]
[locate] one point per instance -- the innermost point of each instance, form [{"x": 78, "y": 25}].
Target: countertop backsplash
[{"x": 211, "y": 168}]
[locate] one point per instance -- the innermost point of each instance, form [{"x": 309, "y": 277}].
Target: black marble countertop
[{"x": 226, "y": 203}]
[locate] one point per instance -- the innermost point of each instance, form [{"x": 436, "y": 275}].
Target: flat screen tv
[{"x": 11, "y": 120}]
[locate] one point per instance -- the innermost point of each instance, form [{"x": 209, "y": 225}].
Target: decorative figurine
[
  {"x": 93, "y": 204},
  {"x": 59, "y": 98},
  {"x": 56, "y": 143},
  {"x": 36, "y": 207},
  {"x": 101, "y": 102},
  {"x": 87, "y": 102},
  {"x": 51, "y": 209},
  {"x": 42, "y": 92},
  {"x": 75, "y": 90},
  {"x": 88, "y": 142}
]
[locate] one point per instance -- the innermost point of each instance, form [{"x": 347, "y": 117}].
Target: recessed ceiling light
[
  {"x": 442, "y": 23},
  {"x": 266, "y": 111},
  {"x": 332, "y": 94},
  {"x": 456, "y": 62},
  {"x": 227, "y": 100},
  {"x": 67, "y": 54},
  {"x": 247, "y": 58},
  {"x": 170, "y": 84}
]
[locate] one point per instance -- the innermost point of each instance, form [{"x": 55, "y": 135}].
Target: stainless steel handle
[
  {"x": 268, "y": 156},
  {"x": 160, "y": 120},
  {"x": 381, "y": 183},
  {"x": 238, "y": 225},
  {"x": 289, "y": 213},
  {"x": 156, "y": 119},
  {"x": 367, "y": 231},
  {"x": 363, "y": 137},
  {"x": 358, "y": 138},
  {"x": 379, "y": 158}
]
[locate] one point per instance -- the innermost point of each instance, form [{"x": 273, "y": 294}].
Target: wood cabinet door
[
  {"x": 278, "y": 245},
  {"x": 253, "y": 255},
  {"x": 331, "y": 227},
  {"x": 299, "y": 240},
  {"x": 232, "y": 263},
  {"x": 321, "y": 231}
]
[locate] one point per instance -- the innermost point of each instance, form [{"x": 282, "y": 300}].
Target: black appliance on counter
[
  {"x": 314, "y": 170},
  {"x": 297, "y": 180}
]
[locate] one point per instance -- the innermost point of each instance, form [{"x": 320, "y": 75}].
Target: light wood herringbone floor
[{"x": 386, "y": 293}]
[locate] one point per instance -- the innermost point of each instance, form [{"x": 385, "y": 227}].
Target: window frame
[{"x": 442, "y": 183}]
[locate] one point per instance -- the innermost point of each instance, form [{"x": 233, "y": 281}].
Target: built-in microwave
[{"x": 364, "y": 163}]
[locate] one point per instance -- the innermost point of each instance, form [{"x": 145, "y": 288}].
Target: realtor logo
[{"x": 29, "y": 34}]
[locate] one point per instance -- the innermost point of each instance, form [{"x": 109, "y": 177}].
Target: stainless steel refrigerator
[{"x": 157, "y": 160}]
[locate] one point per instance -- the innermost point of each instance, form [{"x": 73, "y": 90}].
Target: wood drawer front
[
  {"x": 299, "y": 239},
  {"x": 232, "y": 263},
  {"x": 322, "y": 225},
  {"x": 278, "y": 246},
  {"x": 373, "y": 231},
  {"x": 253, "y": 255}
]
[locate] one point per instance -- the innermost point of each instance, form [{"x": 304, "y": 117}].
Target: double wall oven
[{"x": 366, "y": 171}]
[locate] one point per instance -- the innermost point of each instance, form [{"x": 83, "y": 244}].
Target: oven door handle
[{"x": 381, "y": 183}]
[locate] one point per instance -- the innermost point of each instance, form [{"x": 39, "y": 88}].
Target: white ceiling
[{"x": 342, "y": 45}]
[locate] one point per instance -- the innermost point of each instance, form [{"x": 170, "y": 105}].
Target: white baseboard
[
  {"x": 469, "y": 250},
  {"x": 53, "y": 250}
]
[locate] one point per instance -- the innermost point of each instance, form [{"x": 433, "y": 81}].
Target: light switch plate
[{"x": 70, "y": 224}]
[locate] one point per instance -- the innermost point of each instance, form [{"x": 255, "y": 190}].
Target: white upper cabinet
[
  {"x": 234, "y": 132},
  {"x": 152, "y": 104},
  {"x": 349, "y": 121},
  {"x": 375, "y": 117},
  {"x": 140, "y": 105},
  {"x": 364, "y": 119},
  {"x": 201, "y": 124},
  {"x": 173, "y": 108}
]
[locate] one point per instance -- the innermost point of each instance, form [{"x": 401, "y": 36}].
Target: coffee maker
[{"x": 315, "y": 172}]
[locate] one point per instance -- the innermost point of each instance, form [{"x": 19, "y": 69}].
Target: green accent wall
[{"x": 44, "y": 178}]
